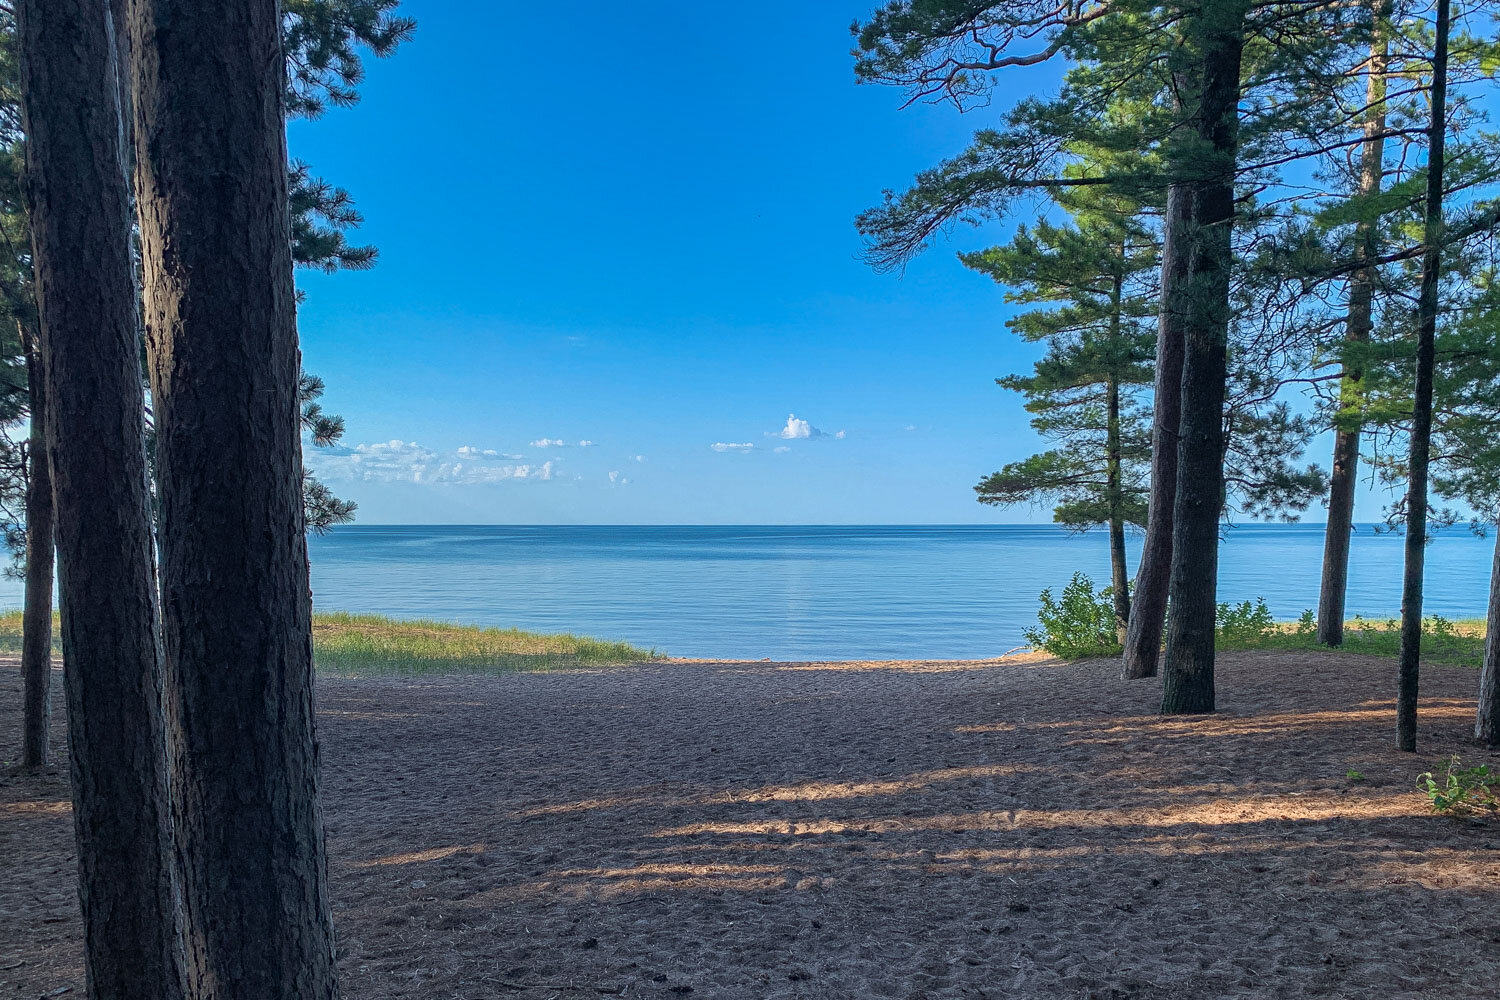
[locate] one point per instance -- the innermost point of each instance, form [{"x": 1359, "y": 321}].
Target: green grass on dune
[
  {"x": 1459, "y": 642},
  {"x": 353, "y": 645},
  {"x": 368, "y": 644},
  {"x": 10, "y": 632}
]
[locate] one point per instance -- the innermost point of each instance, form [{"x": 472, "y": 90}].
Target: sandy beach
[{"x": 1018, "y": 828}]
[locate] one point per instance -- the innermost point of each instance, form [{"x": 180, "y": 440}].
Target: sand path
[{"x": 764, "y": 830}]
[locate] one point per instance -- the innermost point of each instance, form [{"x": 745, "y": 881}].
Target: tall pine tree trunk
[
  {"x": 1188, "y": 678},
  {"x": 36, "y": 620},
  {"x": 90, "y": 343},
  {"x": 1357, "y": 325},
  {"x": 1408, "y": 671},
  {"x": 1148, "y": 612},
  {"x": 1119, "y": 579},
  {"x": 1487, "y": 719},
  {"x": 211, "y": 170}
]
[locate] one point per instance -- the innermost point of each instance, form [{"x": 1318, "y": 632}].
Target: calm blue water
[
  {"x": 823, "y": 592},
  {"x": 819, "y": 592}
]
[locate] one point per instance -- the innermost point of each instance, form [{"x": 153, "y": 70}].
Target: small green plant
[
  {"x": 1440, "y": 628},
  {"x": 1078, "y": 624},
  {"x": 1354, "y": 775},
  {"x": 1244, "y": 625},
  {"x": 1461, "y": 791},
  {"x": 1307, "y": 625}
]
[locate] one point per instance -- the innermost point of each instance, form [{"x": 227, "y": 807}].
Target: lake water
[
  {"x": 823, "y": 592},
  {"x": 820, "y": 592}
]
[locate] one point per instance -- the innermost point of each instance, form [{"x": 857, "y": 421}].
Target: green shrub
[
  {"x": 1461, "y": 791},
  {"x": 1244, "y": 625},
  {"x": 1307, "y": 625},
  {"x": 1081, "y": 623}
]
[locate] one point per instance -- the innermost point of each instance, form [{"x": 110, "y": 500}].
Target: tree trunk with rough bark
[
  {"x": 1149, "y": 608},
  {"x": 1357, "y": 325},
  {"x": 1188, "y": 677},
  {"x": 1114, "y": 487},
  {"x": 1487, "y": 718},
  {"x": 1409, "y": 667},
  {"x": 90, "y": 344},
  {"x": 211, "y": 170},
  {"x": 36, "y": 619}
]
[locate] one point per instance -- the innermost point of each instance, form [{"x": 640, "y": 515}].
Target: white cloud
[
  {"x": 637, "y": 458},
  {"x": 399, "y": 461},
  {"x": 725, "y": 446},
  {"x": 547, "y": 442},
  {"x": 797, "y": 429},
  {"x": 468, "y": 452},
  {"x": 781, "y": 449},
  {"x": 615, "y": 479}
]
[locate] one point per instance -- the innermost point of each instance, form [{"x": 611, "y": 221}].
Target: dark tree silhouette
[
  {"x": 90, "y": 352},
  {"x": 212, "y": 195}
]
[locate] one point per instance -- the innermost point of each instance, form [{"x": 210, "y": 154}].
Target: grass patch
[
  {"x": 10, "y": 632},
  {"x": 352, "y": 645},
  {"x": 369, "y": 644},
  {"x": 1459, "y": 642}
]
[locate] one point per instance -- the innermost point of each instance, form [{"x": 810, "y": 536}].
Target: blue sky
[{"x": 632, "y": 226}]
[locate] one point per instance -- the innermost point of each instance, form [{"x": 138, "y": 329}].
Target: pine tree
[
  {"x": 1092, "y": 278},
  {"x": 1216, "y": 35},
  {"x": 1358, "y": 323},
  {"x": 323, "y": 40},
  {"x": 90, "y": 345},
  {"x": 1421, "y": 431},
  {"x": 1155, "y": 60},
  {"x": 25, "y": 474},
  {"x": 212, "y": 193},
  {"x": 1465, "y": 460}
]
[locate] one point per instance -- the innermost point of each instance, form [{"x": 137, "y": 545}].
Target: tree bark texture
[
  {"x": 1487, "y": 719},
  {"x": 1149, "y": 608},
  {"x": 36, "y": 619},
  {"x": 1409, "y": 667},
  {"x": 1358, "y": 322},
  {"x": 1188, "y": 677},
  {"x": 211, "y": 191},
  {"x": 90, "y": 346}
]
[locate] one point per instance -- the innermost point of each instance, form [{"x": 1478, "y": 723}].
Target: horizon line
[{"x": 822, "y": 524}]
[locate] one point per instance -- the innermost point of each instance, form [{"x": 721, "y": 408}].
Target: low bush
[
  {"x": 1244, "y": 625},
  {"x": 1078, "y": 624},
  {"x": 1461, "y": 791}
]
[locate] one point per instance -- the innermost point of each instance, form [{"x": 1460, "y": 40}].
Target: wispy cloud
[
  {"x": 547, "y": 442},
  {"x": 615, "y": 479},
  {"x": 398, "y": 461},
  {"x": 469, "y": 452},
  {"x": 728, "y": 446}
]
